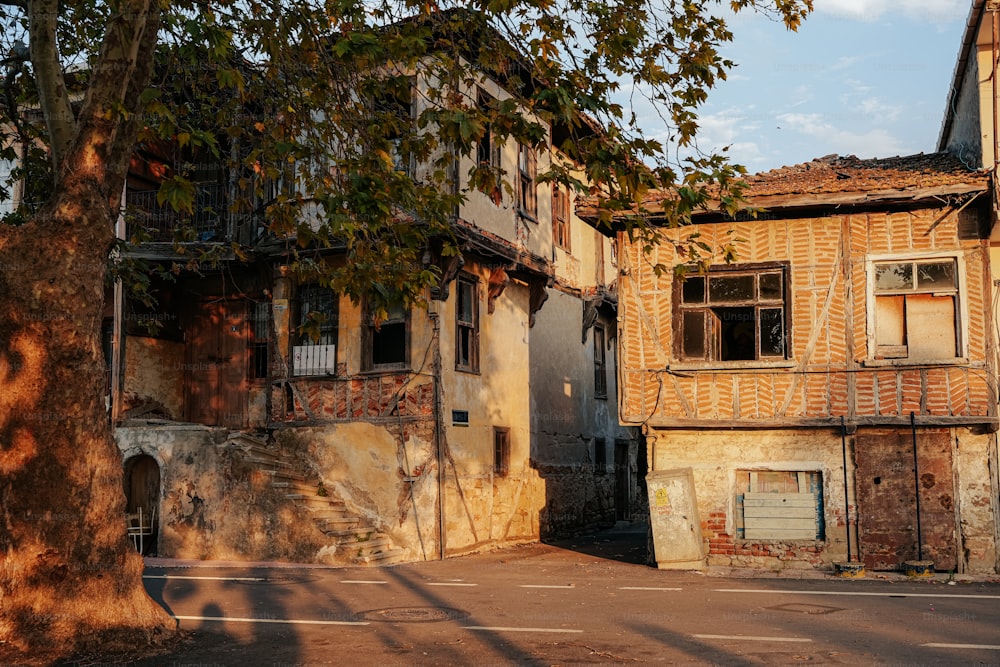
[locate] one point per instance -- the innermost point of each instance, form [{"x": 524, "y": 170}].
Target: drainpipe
[
  {"x": 916, "y": 486},
  {"x": 995, "y": 53},
  {"x": 438, "y": 427},
  {"x": 847, "y": 500},
  {"x": 117, "y": 327}
]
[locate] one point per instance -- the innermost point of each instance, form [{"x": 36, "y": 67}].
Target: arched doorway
[{"x": 142, "y": 501}]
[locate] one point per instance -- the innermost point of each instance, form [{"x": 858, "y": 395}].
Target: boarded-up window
[
  {"x": 916, "y": 309},
  {"x": 779, "y": 505}
]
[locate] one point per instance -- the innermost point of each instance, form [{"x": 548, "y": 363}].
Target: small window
[
  {"x": 315, "y": 349},
  {"x": 501, "y": 451},
  {"x": 916, "y": 309},
  {"x": 734, "y": 314},
  {"x": 387, "y": 343},
  {"x": 779, "y": 505},
  {"x": 260, "y": 342},
  {"x": 527, "y": 190},
  {"x": 600, "y": 367},
  {"x": 600, "y": 456},
  {"x": 560, "y": 216},
  {"x": 467, "y": 324}
]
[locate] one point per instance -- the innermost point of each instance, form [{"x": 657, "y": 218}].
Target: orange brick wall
[{"x": 828, "y": 331}]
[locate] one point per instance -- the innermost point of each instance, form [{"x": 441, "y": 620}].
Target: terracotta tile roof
[{"x": 836, "y": 174}]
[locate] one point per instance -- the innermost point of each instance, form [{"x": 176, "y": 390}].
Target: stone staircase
[{"x": 353, "y": 540}]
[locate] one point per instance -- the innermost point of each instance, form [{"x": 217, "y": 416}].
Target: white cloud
[
  {"x": 829, "y": 138},
  {"x": 871, "y": 10}
]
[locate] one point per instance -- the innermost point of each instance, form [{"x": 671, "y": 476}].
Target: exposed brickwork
[{"x": 829, "y": 326}]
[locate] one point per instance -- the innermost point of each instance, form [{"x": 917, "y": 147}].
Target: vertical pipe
[
  {"x": 847, "y": 500},
  {"x": 916, "y": 486},
  {"x": 993, "y": 105},
  {"x": 438, "y": 426}
]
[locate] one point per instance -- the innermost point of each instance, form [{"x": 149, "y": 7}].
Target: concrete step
[
  {"x": 314, "y": 502},
  {"x": 285, "y": 475},
  {"x": 334, "y": 526},
  {"x": 370, "y": 547},
  {"x": 301, "y": 487},
  {"x": 265, "y": 463},
  {"x": 390, "y": 557},
  {"x": 352, "y": 535}
]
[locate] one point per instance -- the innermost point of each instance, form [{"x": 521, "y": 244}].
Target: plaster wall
[
  {"x": 154, "y": 372},
  {"x": 213, "y": 503}
]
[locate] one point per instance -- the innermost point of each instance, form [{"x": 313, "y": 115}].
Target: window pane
[
  {"x": 736, "y": 333},
  {"x": 465, "y": 302},
  {"x": 723, "y": 289},
  {"x": 772, "y": 332},
  {"x": 693, "y": 290},
  {"x": 936, "y": 275},
  {"x": 693, "y": 341},
  {"x": 770, "y": 286},
  {"x": 889, "y": 320},
  {"x": 893, "y": 277},
  {"x": 930, "y": 323}
]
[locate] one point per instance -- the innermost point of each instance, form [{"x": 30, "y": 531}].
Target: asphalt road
[{"x": 585, "y": 601}]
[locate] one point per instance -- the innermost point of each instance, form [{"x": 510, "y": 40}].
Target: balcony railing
[{"x": 211, "y": 219}]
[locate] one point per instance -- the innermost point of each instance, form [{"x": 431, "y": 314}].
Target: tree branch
[
  {"x": 43, "y": 17},
  {"x": 103, "y": 143}
]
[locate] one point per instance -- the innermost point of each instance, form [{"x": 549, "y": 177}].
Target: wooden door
[
  {"x": 217, "y": 360},
  {"x": 887, "y": 508}
]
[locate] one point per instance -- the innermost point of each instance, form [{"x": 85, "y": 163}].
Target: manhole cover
[
  {"x": 413, "y": 614},
  {"x": 799, "y": 608}
]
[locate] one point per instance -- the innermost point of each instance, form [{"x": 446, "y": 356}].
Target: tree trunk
[{"x": 70, "y": 580}]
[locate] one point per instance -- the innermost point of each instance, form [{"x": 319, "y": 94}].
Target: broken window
[
  {"x": 916, "y": 309},
  {"x": 779, "y": 505},
  {"x": 467, "y": 324},
  {"x": 732, "y": 314},
  {"x": 386, "y": 343},
  {"x": 315, "y": 351},
  {"x": 560, "y": 216},
  {"x": 600, "y": 367},
  {"x": 527, "y": 190},
  {"x": 501, "y": 451}
]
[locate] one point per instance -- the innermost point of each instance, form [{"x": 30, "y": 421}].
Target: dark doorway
[
  {"x": 142, "y": 501},
  {"x": 217, "y": 363},
  {"x": 623, "y": 481},
  {"x": 887, "y": 508}
]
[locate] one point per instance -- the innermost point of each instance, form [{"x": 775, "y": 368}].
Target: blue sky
[{"x": 860, "y": 77}]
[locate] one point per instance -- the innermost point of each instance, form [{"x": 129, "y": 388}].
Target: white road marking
[
  {"x": 899, "y": 594},
  {"x": 449, "y": 583},
  {"x": 754, "y": 639},
  {"x": 287, "y": 621},
  {"x": 547, "y": 586},
  {"x": 363, "y": 581},
  {"x": 988, "y": 647},
  {"x": 176, "y": 576},
  {"x": 647, "y": 588},
  {"x": 506, "y": 629}
]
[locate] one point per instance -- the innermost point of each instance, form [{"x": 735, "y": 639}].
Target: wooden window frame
[
  {"x": 368, "y": 335},
  {"x": 527, "y": 187},
  {"x": 488, "y": 153},
  {"x": 600, "y": 362},
  {"x": 467, "y": 330},
  {"x": 721, "y": 318},
  {"x": 501, "y": 451},
  {"x": 880, "y": 303},
  {"x": 561, "y": 216}
]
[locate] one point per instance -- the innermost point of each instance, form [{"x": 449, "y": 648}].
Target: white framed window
[
  {"x": 915, "y": 308},
  {"x": 779, "y": 505}
]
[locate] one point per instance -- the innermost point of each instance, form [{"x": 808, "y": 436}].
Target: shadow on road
[{"x": 624, "y": 543}]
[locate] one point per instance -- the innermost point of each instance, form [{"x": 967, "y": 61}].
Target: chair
[{"x": 139, "y": 527}]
